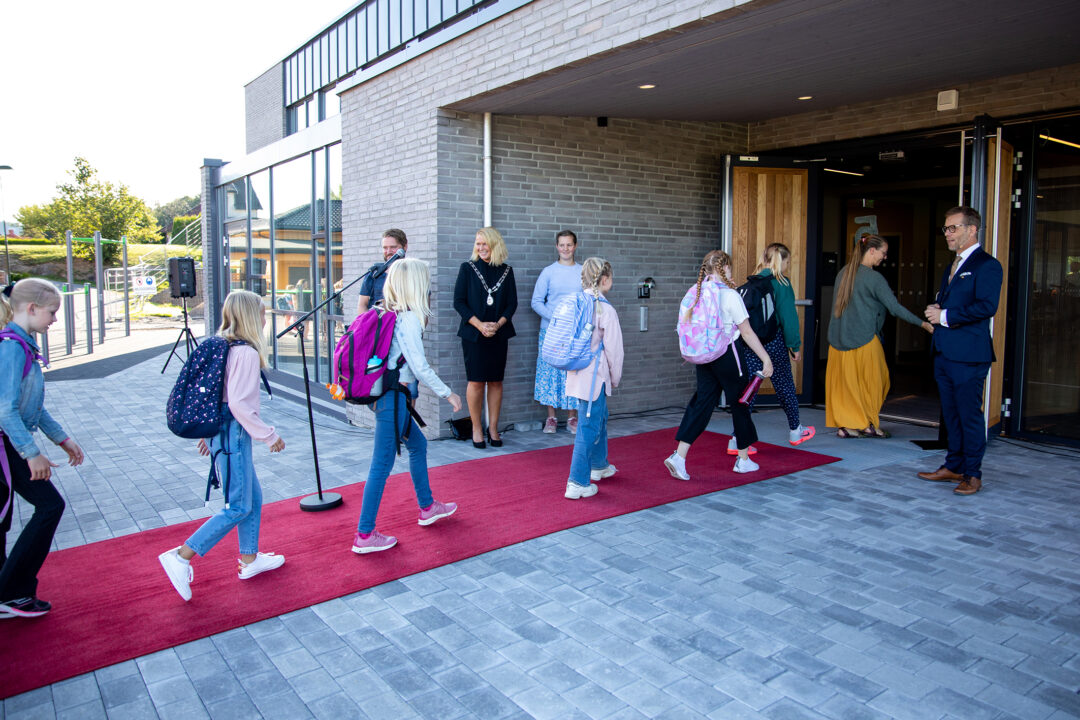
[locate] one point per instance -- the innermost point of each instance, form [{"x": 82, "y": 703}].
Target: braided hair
[
  {"x": 593, "y": 270},
  {"x": 716, "y": 263}
]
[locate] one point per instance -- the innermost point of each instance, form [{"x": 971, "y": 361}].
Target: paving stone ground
[{"x": 852, "y": 590}]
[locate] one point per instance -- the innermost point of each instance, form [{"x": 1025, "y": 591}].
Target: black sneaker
[{"x": 24, "y": 607}]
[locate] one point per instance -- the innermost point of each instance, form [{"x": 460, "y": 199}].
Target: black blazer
[
  {"x": 971, "y": 299},
  {"x": 470, "y": 299}
]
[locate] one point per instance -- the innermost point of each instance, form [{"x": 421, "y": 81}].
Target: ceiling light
[
  {"x": 844, "y": 172},
  {"x": 1063, "y": 142},
  {"x": 805, "y": 97},
  {"x": 646, "y": 87}
]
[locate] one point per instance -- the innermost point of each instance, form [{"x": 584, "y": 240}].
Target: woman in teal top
[
  {"x": 784, "y": 347},
  {"x": 856, "y": 377}
]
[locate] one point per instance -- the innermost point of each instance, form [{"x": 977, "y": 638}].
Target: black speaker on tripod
[{"x": 182, "y": 277}]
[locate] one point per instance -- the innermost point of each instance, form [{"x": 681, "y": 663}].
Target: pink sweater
[
  {"x": 611, "y": 360},
  {"x": 242, "y": 393}
]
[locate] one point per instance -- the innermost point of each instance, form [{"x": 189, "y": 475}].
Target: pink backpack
[
  {"x": 703, "y": 334},
  {"x": 361, "y": 366}
]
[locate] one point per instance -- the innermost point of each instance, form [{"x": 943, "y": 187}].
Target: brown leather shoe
[
  {"x": 968, "y": 486},
  {"x": 942, "y": 474}
]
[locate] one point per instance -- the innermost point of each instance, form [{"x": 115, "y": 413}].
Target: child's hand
[
  {"x": 41, "y": 467},
  {"x": 278, "y": 446},
  {"x": 201, "y": 447},
  {"x": 455, "y": 401},
  {"x": 74, "y": 452},
  {"x": 767, "y": 368}
]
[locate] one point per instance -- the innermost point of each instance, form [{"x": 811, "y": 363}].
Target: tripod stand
[{"x": 189, "y": 341}]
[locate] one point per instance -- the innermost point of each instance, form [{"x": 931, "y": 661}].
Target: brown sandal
[{"x": 844, "y": 434}]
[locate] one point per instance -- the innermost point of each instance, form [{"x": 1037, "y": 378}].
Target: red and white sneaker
[
  {"x": 437, "y": 511},
  {"x": 571, "y": 425},
  {"x": 550, "y": 426},
  {"x": 733, "y": 449},
  {"x": 800, "y": 434}
]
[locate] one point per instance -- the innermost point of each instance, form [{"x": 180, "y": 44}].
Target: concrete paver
[{"x": 850, "y": 590}]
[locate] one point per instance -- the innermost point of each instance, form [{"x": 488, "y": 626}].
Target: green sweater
[
  {"x": 784, "y": 296},
  {"x": 864, "y": 315}
]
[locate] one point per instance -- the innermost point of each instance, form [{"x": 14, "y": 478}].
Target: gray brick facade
[{"x": 264, "y": 111}]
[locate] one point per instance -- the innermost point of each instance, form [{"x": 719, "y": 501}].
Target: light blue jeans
[
  {"x": 245, "y": 494},
  {"x": 383, "y": 454},
  {"x": 590, "y": 443}
]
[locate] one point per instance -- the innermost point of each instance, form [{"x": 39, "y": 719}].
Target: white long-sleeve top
[{"x": 242, "y": 393}]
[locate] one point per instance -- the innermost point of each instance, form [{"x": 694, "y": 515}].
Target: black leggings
[{"x": 720, "y": 374}]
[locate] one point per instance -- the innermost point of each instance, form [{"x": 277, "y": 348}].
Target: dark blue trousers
[{"x": 961, "y": 388}]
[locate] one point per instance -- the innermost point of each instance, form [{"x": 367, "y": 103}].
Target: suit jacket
[{"x": 971, "y": 299}]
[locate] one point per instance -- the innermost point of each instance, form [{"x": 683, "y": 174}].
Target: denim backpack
[
  {"x": 703, "y": 334},
  {"x": 31, "y": 356}
]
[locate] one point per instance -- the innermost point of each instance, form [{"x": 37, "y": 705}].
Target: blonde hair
[
  {"x": 495, "y": 241},
  {"x": 847, "y": 275},
  {"x": 773, "y": 258},
  {"x": 407, "y": 285},
  {"x": 240, "y": 320},
  {"x": 24, "y": 292},
  {"x": 593, "y": 270},
  {"x": 714, "y": 263}
]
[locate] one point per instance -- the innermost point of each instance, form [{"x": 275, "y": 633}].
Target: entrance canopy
[{"x": 753, "y": 62}]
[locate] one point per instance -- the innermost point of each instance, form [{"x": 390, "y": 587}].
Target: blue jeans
[
  {"x": 384, "y": 452},
  {"x": 590, "y": 443},
  {"x": 245, "y": 495}
]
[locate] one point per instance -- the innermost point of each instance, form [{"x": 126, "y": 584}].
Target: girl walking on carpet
[
  {"x": 406, "y": 294},
  {"x": 242, "y": 318},
  {"x": 590, "y": 459},
  {"x": 26, "y": 307},
  {"x": 724, "y": 373}
]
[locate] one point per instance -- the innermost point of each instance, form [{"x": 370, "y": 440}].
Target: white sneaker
[
  {"x": 261, "y": 563},
  {"x": 179, "y": 571},
  {"x": 575, "y": 491},
  {"x": 676, "y": 465},
  {"x": 800, "y": 434},
  {"x": 746, "y": 466},
  {"x": 733, "y": 447},
  {"x": 602, "y": 473}
]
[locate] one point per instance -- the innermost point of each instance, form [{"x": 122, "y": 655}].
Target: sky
[{"x": 143, "y": 90}]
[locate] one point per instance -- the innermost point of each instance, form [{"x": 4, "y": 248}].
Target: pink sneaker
[
  {"x": 374, "y": 542},
  {"x": 551, "y": 425},
  {"x": 571, "y": 425},
  {"x": 437, "y": 511}
]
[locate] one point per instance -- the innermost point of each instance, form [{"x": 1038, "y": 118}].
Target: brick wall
[
  {"x": 264, "y": 111},
  {"x": 1003, "y": 97}
]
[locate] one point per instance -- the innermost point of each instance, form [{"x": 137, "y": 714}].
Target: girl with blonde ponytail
[
  {"x": 27, "y": 307},
  {"x": 724, "y": 373},
  {"x": 590, "y": 459}
]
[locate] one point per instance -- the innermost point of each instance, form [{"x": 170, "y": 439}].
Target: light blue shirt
[
  {"x": 409, "y": 341},
  {"x": 556, "y": 281},
  {"x": 21, "y": 398}
]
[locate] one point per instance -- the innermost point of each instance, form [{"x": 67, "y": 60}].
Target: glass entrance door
[{"x": 1050, "y": 398}]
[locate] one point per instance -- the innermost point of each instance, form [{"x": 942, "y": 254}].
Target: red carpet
[{"x": 112, "y": 602}]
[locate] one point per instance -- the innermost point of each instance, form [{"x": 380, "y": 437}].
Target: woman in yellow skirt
[{"x": 856, "y": 377}]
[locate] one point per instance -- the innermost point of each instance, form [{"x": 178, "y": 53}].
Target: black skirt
[{"x": 485, "y": 359}]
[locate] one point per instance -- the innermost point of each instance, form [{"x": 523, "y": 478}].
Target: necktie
[{"x": 955, "y": 264}]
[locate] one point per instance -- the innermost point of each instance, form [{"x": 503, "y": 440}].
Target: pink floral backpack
[{"x": 703, "y": 334}]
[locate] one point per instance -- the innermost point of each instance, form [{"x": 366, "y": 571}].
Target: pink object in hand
[{"x": 752, "y": 388}]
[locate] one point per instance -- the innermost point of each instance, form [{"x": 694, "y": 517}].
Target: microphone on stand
[{"x": 386, "y": 265}]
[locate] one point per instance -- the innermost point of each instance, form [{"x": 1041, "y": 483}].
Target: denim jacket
[{"x": 21, "y": 398}]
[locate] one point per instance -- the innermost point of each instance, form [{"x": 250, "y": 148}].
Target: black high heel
[
  {"x": 479, "y": 445},
  {"x": 493, "y": 442}
]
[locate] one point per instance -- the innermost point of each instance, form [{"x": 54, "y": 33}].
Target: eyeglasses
[{"x": 949, "y": 229}]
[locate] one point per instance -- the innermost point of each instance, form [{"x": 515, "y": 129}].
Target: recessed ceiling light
[
  {"x": 646, "y": 87},
  {"x": 805, "y": 97}
]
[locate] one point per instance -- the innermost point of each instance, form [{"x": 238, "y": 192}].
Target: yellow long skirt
[{"x": 856, "y": 383}]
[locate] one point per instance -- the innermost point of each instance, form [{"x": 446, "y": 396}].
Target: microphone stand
[{"x": 320, "y": 500}]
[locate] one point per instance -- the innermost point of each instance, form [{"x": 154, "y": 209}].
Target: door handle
[{"x": 804, "y": 303}]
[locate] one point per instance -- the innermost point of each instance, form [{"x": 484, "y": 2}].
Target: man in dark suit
[{"x": 963, "y": 348}]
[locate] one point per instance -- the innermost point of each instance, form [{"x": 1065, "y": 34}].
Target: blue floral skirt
[{"x": 551, "y": 383}]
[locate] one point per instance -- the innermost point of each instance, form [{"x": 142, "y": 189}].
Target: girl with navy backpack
[
  {"x": 592, "y": 384},
  {"x": 724, "y": 373},
  {"x": 242, "y": 319},
  {"x": 406, "y": 295},
  {"x": 26, "y": 307}
]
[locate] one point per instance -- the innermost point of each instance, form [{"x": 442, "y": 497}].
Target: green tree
[
  {"x": 90, "y": 204},
  {"x": 166, "y": 214}
]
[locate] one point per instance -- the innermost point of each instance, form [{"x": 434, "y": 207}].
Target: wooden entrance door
[{"x": 996, "y": 221}]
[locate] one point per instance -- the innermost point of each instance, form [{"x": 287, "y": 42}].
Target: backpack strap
[{"x": 31, "y": 354}]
